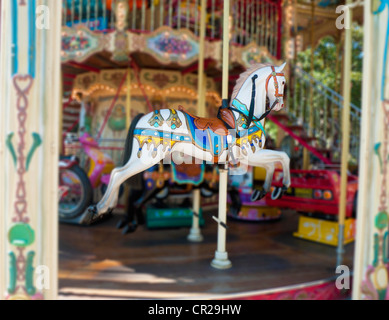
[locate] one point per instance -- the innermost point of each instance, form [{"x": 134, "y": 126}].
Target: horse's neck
[
  {"x": 239, "y": 127},
  {"x": 245, "y": 94}
]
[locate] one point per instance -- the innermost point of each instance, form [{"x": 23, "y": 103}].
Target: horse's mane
[{"x": 243, "y": 77}]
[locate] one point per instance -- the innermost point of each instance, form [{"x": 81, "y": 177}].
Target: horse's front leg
[{"x": 268, "y": 158}]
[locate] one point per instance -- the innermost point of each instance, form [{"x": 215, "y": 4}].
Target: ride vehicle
[
  {"x": 75, "y": 185},
  {"x": 316, "y": 193}
]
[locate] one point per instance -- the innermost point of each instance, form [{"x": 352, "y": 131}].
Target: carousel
[{"x": 191, "y": 152}]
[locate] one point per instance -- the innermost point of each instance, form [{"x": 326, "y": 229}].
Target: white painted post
[
  {"x": 29, "y": 107},
  {"x": 221, "y": 260},
  {"x": 195, "y": 231},
  {"x": 370, "y": 279},
  {"x": 221, "y": 256}
]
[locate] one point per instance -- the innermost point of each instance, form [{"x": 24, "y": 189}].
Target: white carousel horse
[{"x": 236, "y": 136}]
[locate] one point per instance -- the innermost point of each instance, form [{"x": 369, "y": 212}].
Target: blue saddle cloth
[
  {"x": 214, "y": 143},
  {"x": 206, "y": 140}
]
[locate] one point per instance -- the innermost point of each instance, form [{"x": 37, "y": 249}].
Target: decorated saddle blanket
[{"x": 209, "y": 135}]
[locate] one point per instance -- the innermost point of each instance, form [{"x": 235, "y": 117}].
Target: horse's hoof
[
  {"x": 129, "y": 228},
  {"x": 284, "y": 190},
  {"x": 278, "y": 192},
  {"x": 121, "y": 223},
  {"x": 257, "y": 195},
  {"x": 90, "y": 216}
]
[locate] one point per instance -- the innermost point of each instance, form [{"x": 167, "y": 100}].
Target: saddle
[{"x": 217, "y": 125}]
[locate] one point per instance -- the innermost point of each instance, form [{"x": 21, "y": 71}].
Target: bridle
[
  {"x": 249, "y": 114},
  {"x": 273, "y": 75}
]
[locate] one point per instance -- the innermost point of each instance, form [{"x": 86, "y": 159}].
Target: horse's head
[{"x": 275, "y": 87}]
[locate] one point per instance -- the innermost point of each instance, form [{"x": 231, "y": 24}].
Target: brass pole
[
  {"x": 128, "y": 99},
  {"x": 306, "y": 155},
  {"x": 345, "y": 135},
  {"x": 201, "y": 73}
]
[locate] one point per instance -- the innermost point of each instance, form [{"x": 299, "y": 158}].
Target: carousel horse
[{"x": 236, "y": 136}]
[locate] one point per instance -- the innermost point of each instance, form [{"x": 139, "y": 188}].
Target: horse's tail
[{"x": 130, "y": 139}]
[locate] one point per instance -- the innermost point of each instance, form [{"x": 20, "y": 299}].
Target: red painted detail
[
  {"x": 310, "y": 181},
  {"x": 84, "y": 66},
  {"x": 112, "y": 106},
  {"x": 195, "y": 67},
  {"x": 319, "y": 290},
  {"x": 67, "y": 163},
  {"x": 300, "y": 140},
  {"x": 69, "y": 75}
]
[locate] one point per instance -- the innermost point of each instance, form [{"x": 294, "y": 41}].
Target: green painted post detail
[
  {"x": 31, "y": 290},
  {"x": 377, "y": 147},
  {"x": 11, "y": 148},
  {"x": 376, "y": 246},
  {"x": 384, "y": 248},
  {"x": 21, "y": 235},
  {"x": 12, "y": 273},
  {"x": 37, "y": 142}
]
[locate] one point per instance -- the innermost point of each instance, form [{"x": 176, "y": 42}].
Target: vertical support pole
[
  {"x": 104, "y": 8},
  {"x": 134, "y": 26},
  {"x": 170, "y": 24},
  {"x": 195, "y": 232},
  {"x": 161, "y": 5},
  {"x": 128, "y": 99},
  {"x": 96, "y": 14},
  {"x": 143, "y": 16},
  {"x": 196, "y": 18},
  {"x": 263, "y": 26},
  {"x": 271, "y": 35},
  {"x": 279, "y": 31},
  {"x": 178, "y": 14},
  {"x": 3, "y": 250},
  {"x": 152, "y": 14},
  {"x": 88, "y": 7},
  {"x": 201, "y": 74},
  {"x": 221, "y": 256},
  {"x": 266, "y": 43},
  {"x": 306, "y": 154},
  {"x": 29, "y": 148},
  {"x": 112, "y": 24},
  {"x": 247, "y": 26},
  {"x": 187, "y": 14},
  {"x": 241, "y": 22},
  {"x": 213, "y": 26},
  {"x": 345, "y": 136},
  {"x": 72, "y": 8}
]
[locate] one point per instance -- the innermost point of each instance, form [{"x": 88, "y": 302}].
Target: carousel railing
[
  {"x": 318, "y": 109},
  {"x": 251, "y": 20}
]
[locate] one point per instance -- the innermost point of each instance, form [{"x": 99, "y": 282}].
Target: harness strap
[{"x": 252, "y": 104}]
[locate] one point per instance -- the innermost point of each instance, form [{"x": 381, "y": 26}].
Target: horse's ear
[{"x": 281, "y": 68}]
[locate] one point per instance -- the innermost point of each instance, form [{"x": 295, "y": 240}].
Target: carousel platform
[{"x": 98, "y": 262}]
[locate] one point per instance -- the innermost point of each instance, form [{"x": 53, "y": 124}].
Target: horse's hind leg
[
  {"x": 263, "y": 157},
  {"x": 259, "y": 194}
]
